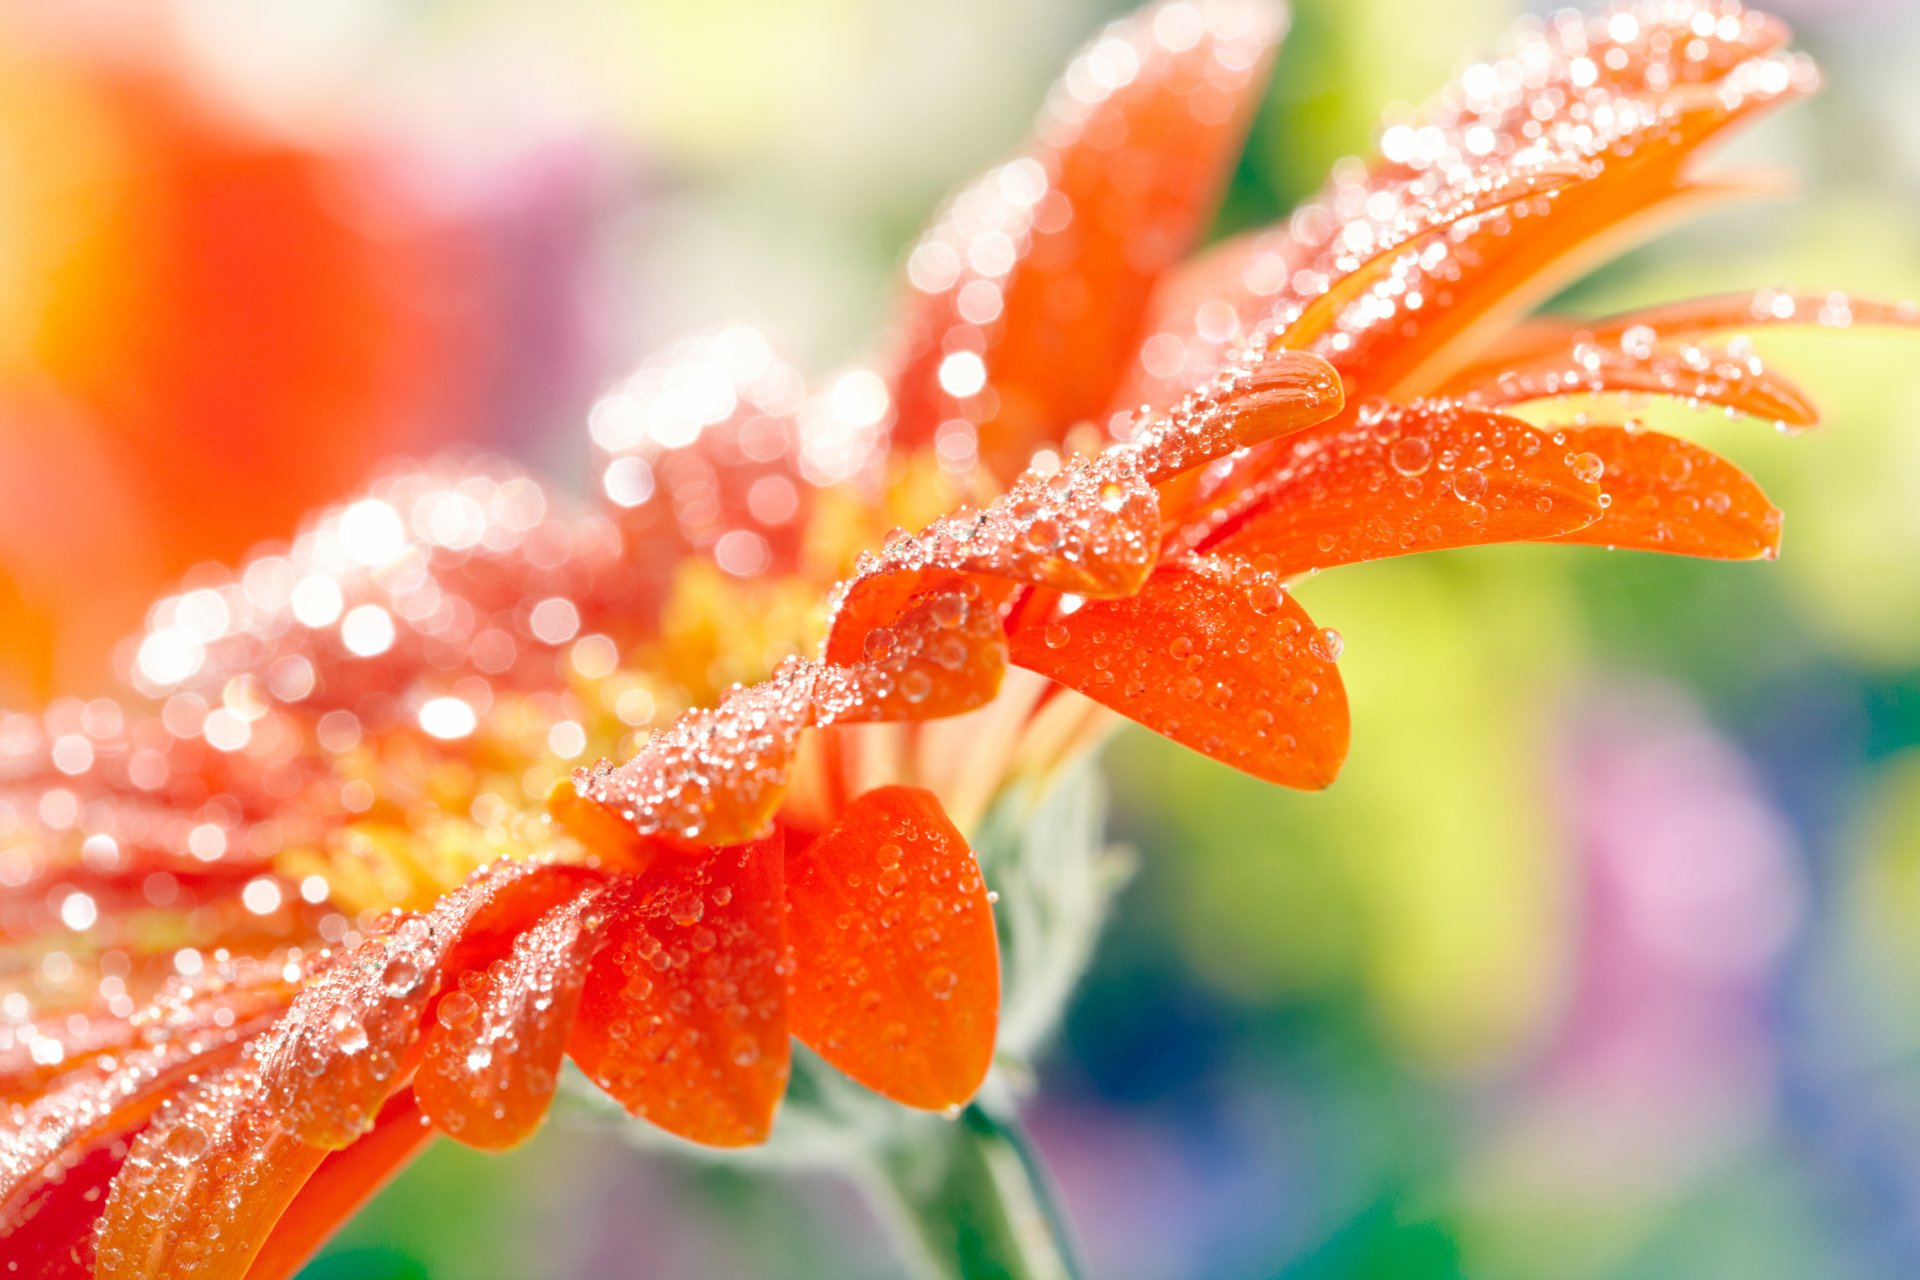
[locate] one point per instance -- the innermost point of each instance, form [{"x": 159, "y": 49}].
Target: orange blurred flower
[
  {"x": 197, "y": 346},
  {"x": 330, "y": 888}
]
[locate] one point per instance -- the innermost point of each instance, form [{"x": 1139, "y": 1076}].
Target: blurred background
[{"x": 1601, "y": 960}]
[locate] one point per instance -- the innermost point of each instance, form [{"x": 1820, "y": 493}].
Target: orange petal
[
  {"x": 1762, "y": 308},
  {"x": 1044, "y": 268},
  {"x": 344, "y": 1181},
  {"x": 1730, "y": 379},
  {"x": 684, "y": 1019},
  {"x": 492, "y": 1057},
  {"x": 47, "y": 1234},
  {"x": 1217, "y": 657},
  {"x": 104, "y": 1101},
  {"x": 217, "y": 1154},
  {"x": 1671, "y": 495},
  {"x": 1420, "y": 478},
  {"x": 942, "y": 654},
  {"x": 336, "y": 1056},
  {"x": 1271, "y": 394},
  {"x": 214, "y": 1154},
  {"x": 715, "y": 775},
  {"x": 896, "y": 976}
]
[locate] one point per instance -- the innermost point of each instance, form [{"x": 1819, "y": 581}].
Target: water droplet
[
  {"x": 1588, "y": 468},
  {"x": 1469, "y": 484},
  {"x": 187, "y": 1143},
  {"x": 1411, "y": 455},
  {"x": 401, "y": 975},
  {"x": 1327, "y": 644},
  {"x": 458, "y": 1009},
  {"x": 349, "y": 1036}
]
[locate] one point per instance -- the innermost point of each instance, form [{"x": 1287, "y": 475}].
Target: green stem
[{"x": 972, "y": 1202}]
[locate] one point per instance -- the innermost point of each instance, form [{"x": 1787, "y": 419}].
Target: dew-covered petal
[
  {"x": 46, "y": 1233},
  {"x": 1758, "y": 309},
  {"x": 1731, "y": 377},
  {"x": 222, "y": 1004},
  {"x": 214, "y": 1154},
  {"x": 1673, "y": 496},
  {"x": 1389, "y": 278},
  {"x": 492, "y": 1057},
  {"x": 942, "y": 655},
  {"x": 217, "y": 1154},
  {"x": 1422, "y": 477},
  {"x": 1216, "y": 655},
  {"x": 716, "y": 775},
  {"x": 1477, "y": 278},
  {"x": 345, "y": 1180},
  {"x": 684, "y": 1017},
  {"x": 105, "y": 1100},
  {"x": 1262, "y": 396},
  {"x": 1027, "y": 296},
  {"x": 896, "y": 977},
  {"x": 340, "y": 1050}
]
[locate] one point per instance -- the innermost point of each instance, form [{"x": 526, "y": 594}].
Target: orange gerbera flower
[{"x": 269, "y": 991}]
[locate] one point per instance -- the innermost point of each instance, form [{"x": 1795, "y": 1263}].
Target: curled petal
[
  {"x": 1672, "y": 495},
  {"x": 942, "y": 655},
  {"x": 1040, "y": 273},
  {"x": 1217, "y": 656},
  {"x": 106, "y": 1100},
  {"x": 214, "y": 1154},
  {"x": 1424, "y": 477},
  {"x": 897, "y": 970},
  {"x": 492, "y": 1057},
  {"x": 715, "y": 775},
  {"x": 339, "y": 1052},
  {"x": 684, "y": 1017},
  {"x": 218, "y": 1154},
  {"x": 1761, "y": 308},
  {"x": 47, "y": 1233},
  {"x": 1729, "y": 378},
  {"x": 344, "y": 1181},
  {"x": 1262, "y": 397}
]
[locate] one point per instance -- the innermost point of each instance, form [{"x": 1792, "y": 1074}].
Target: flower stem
[{"x": 972, "y": 1202}]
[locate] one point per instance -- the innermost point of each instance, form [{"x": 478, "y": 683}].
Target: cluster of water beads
[{"x": 716, "y": 448}]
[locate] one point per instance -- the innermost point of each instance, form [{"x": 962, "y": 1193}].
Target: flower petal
[
  {"x": 896, "y": 968},
  {"x": 1423, "y": 477},
  {"x": 344, "y": 1181},
  {"x": 1215, "y": 655},
  {"x": 337, "y": 1055},
  {"x": 215, "y": 1153},
  {"x": 684, "y": 1018},
  {"x": 1043, "y": 269},
  {"x": 1673, "y": 496},
  {"x": 1730, "y": 379},
  {"x": 47, "y": 1234},
  {"x": 492, "y": 1057},
  {"x": 1761, "y": 308},
  {"x": 218, "y": 1154},
  {"x": 942, "y": 655}
]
